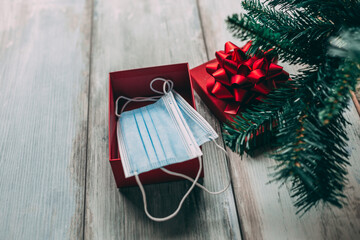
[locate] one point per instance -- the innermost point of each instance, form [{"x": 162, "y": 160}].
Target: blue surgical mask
[
  {"x": 163, "y": 133},
  {"x": 154, "y": 136}
]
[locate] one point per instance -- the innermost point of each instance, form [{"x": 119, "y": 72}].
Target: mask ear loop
[
  {"x": 135, "y": 99},
  {"x": 167, "y": 83},
  {"x": 181, "y": 202},
  {"x": 194, "y": 181}
]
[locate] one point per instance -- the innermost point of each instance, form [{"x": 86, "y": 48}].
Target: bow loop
[
  {"x": 220, "y": 91},
  {"x": 240, "y": 94},
  {"x": 260, "y": 63},
  {"x": 274, "y": 69},
  {"x": 229, "y": 46},
  {"x": 239, "y": 56},
  {"x": 246, "y": 47},
  {"x": 256, "y": 76},
  {"x": 220, "y": 75},
  {"x": 230, "y": 66},
  {"x": 243, "y": 70},
  {"x": 249, "y": 63},
  {"x": 220, "y": 56},
  {"x": 241, "y": 80},
  {"x": 212, "y": 67}
]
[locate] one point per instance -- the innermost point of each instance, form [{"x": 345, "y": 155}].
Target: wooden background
[{"x": 55, "y": 179}]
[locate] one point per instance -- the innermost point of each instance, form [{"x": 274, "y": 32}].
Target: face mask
[
  {"x": 154, "y": 136},
  {"x": 166, "y": 132}
]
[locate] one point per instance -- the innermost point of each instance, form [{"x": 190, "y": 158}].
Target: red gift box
[
  {"x": 234, "y": 79},
  {"x": 136, "y": 83}
]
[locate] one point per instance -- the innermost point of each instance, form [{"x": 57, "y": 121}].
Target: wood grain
[
  {"x": 133, "y": 34},
  {"x": 44, "y": 74},
  {"x": 44, "y": 144},
  {"x": 265, "y": 211}
]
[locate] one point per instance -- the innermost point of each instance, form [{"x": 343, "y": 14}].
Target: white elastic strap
[
  {"x": 198, "y": 184},
  {"x": 181, "y": 202},
  {"x": 136, "y": 99},
  {"x": 167, "y": 83}
]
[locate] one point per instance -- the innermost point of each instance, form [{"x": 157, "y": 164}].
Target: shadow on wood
[{"x": 162, "y": 200}]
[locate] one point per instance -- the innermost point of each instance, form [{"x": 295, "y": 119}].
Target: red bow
[{"x": 239, "y": 78}]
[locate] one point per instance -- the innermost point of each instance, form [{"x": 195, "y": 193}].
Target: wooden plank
[
  {"x": 44, "y": 75},
  {"x": 133, "y": 34},
  {"x": 265, "y": 211}
]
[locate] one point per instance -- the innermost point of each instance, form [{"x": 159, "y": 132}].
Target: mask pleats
[
  {"x": 145, "y": 138},
  {"x": 133, "y": 142},
  {"x": 156, "y": 145}
]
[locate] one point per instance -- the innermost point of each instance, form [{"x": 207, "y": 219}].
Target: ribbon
[{"x": 239, "y": 78}]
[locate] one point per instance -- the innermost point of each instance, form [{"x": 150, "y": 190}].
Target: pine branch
[
  {"x": 290, "y": 33},
  {"x": 310, "y": 127},
  {"x": 340, "y": 12},
  {"x": 244, "y": 27}
]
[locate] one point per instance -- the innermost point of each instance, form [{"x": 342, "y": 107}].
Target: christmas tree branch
[
  {"x": 244, "y": 27},
  {"x": 308, "y": 113}
]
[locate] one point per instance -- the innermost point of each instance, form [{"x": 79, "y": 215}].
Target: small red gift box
[
  {"x": 136, "y": 83},
  {"x": 230, "y": 82}
]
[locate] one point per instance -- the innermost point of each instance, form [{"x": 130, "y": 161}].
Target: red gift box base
[
  {"x": 135, "y": 83},
  {"x": 199, "y": 78}
]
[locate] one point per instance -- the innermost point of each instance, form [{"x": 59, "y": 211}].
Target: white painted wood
[
  {"x": 132, "y": 34},
  {"x": 44, "y": 74},
  {"x": 265, "y": 211}
]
